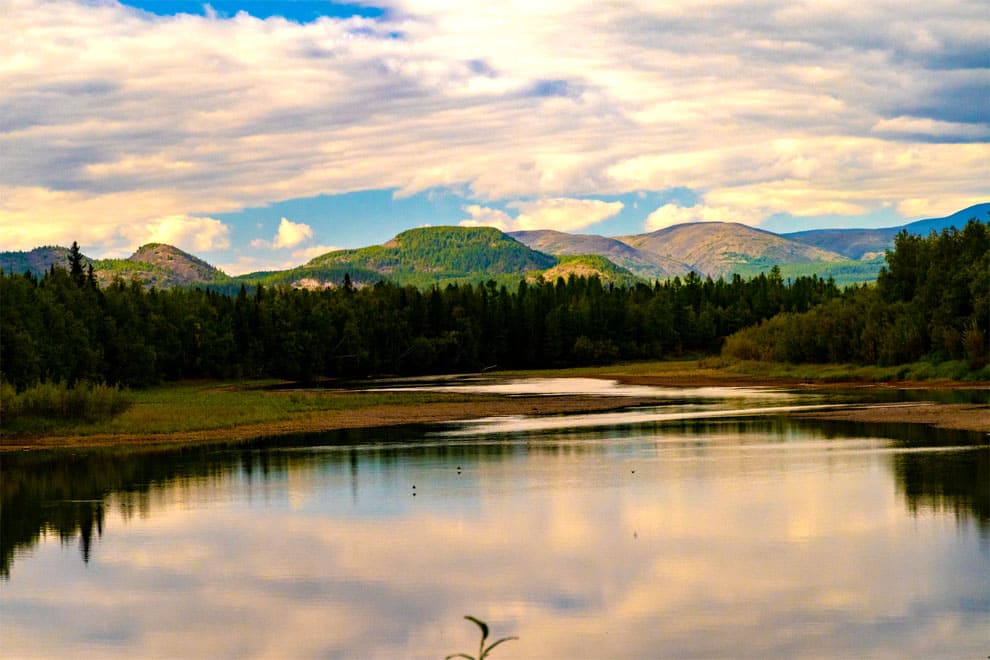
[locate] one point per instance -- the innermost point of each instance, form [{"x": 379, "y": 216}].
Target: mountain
[
  {"x": 154, "y": 264},
  {"x": 957, "y": 220},
  {"x": 158, "y": 265},
  {"x": 852, "y": 243},
  {"x": 647, "y": 265},
  {"x": 865, "y": 243},
  {"x": 423, "y": 256},
  {"x": 720, "y": 248},
  {"x": 439, "y": 255},
  {"x": 37, "y": 261}
]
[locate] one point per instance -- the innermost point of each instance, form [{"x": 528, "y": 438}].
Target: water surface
[{"x": 683, "y": 529}]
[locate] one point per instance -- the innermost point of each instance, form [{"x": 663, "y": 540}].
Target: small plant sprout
[{"x": 482, "y": 651}]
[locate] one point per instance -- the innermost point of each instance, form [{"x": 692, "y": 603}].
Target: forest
[{"x": 931, "y": 300}]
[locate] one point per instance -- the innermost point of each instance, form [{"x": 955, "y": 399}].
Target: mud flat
[{"x": 959, "y": 416}]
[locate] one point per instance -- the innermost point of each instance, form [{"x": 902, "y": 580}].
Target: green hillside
[
  {"x": 590, "y": 265},
  {"x": 434, "y": 255},
  {"x": 843, "y": 273},
  {"x": 36, "y": 261}
]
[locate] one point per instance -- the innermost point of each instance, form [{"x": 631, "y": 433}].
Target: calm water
[{"x": 703, "y": 526}]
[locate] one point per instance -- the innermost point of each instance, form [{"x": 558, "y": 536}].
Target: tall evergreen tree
[{"x": 76, "y": 264}]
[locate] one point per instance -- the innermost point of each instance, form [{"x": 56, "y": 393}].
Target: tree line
[
  {"x": 62, "y": 326},
  {"x": 931, "y": 301}
]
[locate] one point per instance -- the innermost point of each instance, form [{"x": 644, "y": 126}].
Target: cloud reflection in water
[{"x": 594, "y": 545}]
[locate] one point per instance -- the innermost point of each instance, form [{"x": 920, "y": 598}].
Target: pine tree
[{"x": 76, "y": 264}]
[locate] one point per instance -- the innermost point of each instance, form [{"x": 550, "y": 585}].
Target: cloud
[
  {"x": 291, "y": 234},
  {"x": 252, "y": 263},
  {"x": 674, "y": 214},
  {"x": 561, "y": 214},
  {"x": 482, "y": 216},
  {"x": 113, "y": 115},
  {"x": 33, "y": 216},
  {"x": 186, "y": 232},
  {"x": 264, "y": 257},
  {"x": 931, "y": 128},
  {"x": 306, "y": 254}
]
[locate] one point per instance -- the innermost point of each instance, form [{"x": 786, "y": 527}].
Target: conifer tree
[{"x": 76, "y": 264}]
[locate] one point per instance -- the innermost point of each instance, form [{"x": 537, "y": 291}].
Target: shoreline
[{"x": 957, "y": 416}]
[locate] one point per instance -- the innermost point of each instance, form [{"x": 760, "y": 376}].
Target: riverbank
[
  {"x": 199, "y": 413},
  {"x": 442, "y": 409}
]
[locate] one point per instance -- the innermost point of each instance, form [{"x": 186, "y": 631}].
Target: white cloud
[
  {"x": 104, "y": 225},
  {"x": 932, "y": 127},
  {"x": 186, "y": 232},
  {"x": 482, "y": 216},
  {"x": 252, "y": 263},
  {"x": 259, "y": 261},
  {"x": 674, "y": 214},
  {"x": 563, "y": 214},
  {"x": 306, "y": 254},
  {"x": 559, "y": 213},
  {"x": 291, "y": 234},
  {"x": 113, "y": 116}
]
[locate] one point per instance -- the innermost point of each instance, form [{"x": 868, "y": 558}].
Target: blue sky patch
[{"x": 302, "y": 11}]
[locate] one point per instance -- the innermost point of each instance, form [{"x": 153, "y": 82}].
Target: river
[{"x": 707, "y": 525}]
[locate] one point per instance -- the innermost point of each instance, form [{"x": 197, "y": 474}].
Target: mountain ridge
[
  {"x": 860, "y": 243},
  {"x": 438, "y": 255},
  {"x": 717, "y": 249}
]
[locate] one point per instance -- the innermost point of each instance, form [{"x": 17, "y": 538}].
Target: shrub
[{"x": 82, "y": 402}]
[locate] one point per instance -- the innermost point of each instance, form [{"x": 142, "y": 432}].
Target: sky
[{"x": 258, "y": 134}]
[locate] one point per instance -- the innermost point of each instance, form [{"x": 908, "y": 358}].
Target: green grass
[
  {"x": 715, "y": 366},
  {"x": 956, "y": 370},
  {"x": 185, "y": 407}
]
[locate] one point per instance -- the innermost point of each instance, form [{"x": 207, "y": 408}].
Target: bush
[{"x": 83, "y": 402}]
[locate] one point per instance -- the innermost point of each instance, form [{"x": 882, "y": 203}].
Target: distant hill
[
  {"x": 647, "y": 265},
  {"x": 864, "y": 243},
  {"x": 721, "y": 248},
  {"x": 423, "y": 256},
  {"x": 852, "y": 243},
  {"x": 589, "y": 265},
  {"x": 158, "y": 265},
  {"x": 957, "y": 219},
  {"x": 439, "y": 255},
  {"x": 37, "y": 261},
  {"x": 154, "y": 264}
]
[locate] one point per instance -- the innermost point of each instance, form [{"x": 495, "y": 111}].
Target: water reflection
[
  {"x": 579, "y": 386},
  {"x": 760, "y": 536}
]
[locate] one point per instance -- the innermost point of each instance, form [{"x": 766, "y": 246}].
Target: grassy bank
[
  {"x": 729, "y": 371},
  {"x": 235, "y": 411},
  {"x": 187, "y": 407}
]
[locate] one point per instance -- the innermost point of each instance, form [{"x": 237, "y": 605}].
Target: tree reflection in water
[{"x": 66, "y": 493}]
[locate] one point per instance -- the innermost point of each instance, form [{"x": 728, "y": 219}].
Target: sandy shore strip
[{"x": 959, "y": 416}]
